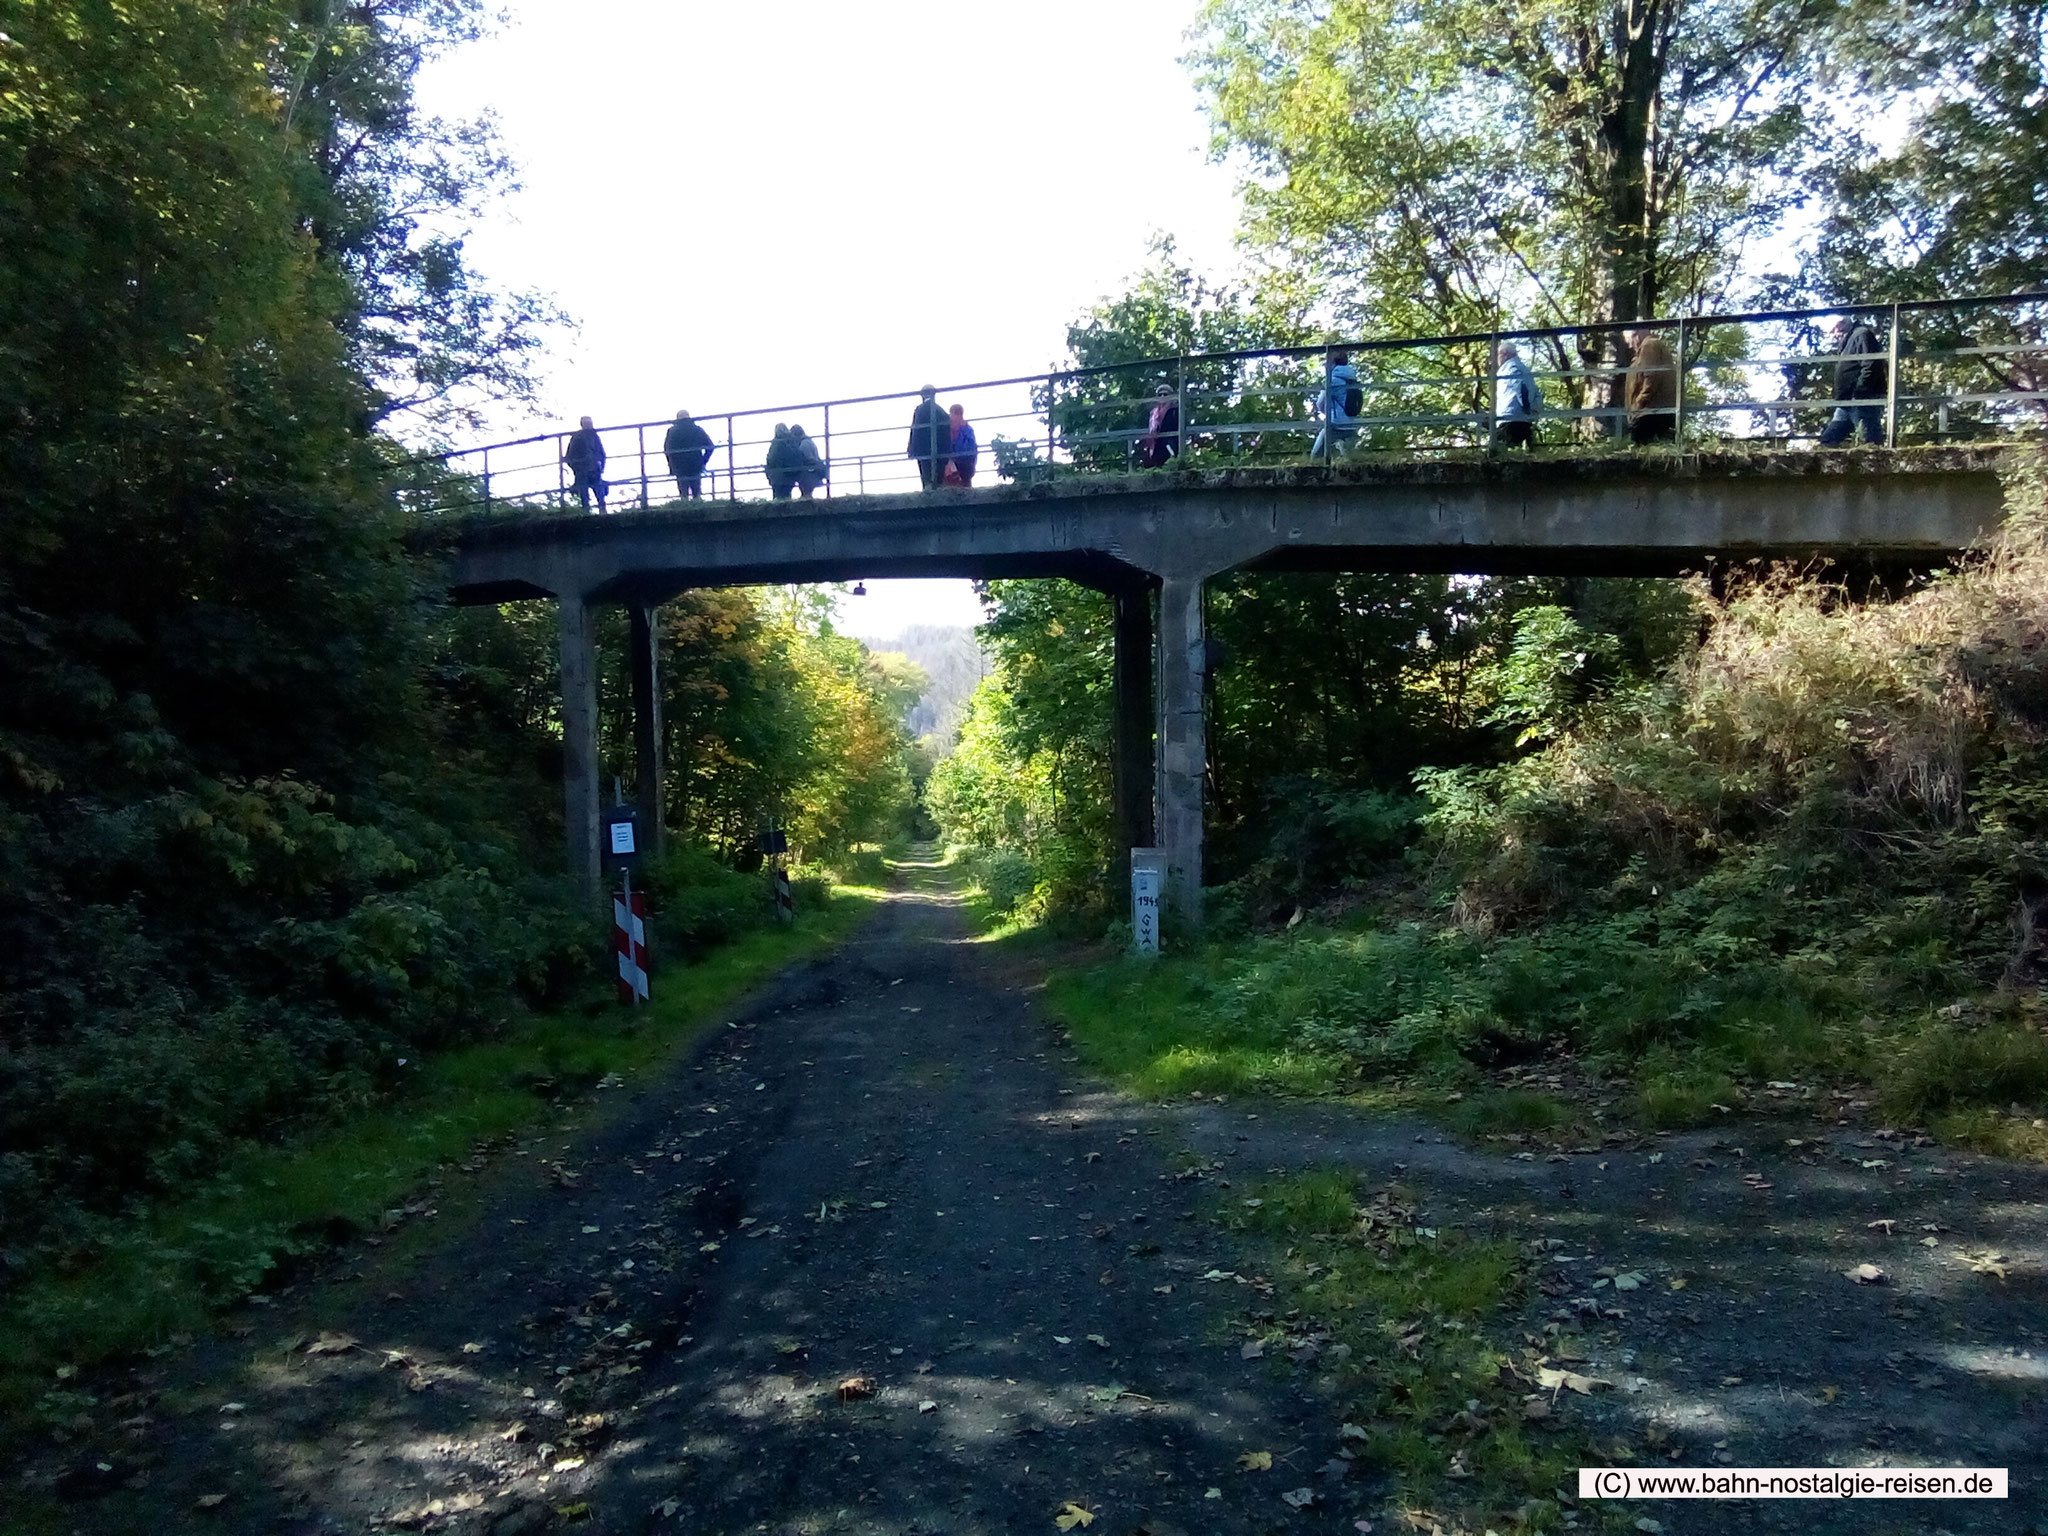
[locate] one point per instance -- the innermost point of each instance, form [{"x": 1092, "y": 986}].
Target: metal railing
[{"x": 1951, "y": 370}]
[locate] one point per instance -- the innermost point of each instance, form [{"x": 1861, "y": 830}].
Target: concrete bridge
[{"x": 1151, "y": 541}]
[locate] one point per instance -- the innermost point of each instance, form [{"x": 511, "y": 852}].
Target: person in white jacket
[
  {"x": 1517, "y": 401},
  {"x": 1342, "y": 404}
]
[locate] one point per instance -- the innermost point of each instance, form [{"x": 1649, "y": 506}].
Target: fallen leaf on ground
[
  {"x": 1061, "y": 1338},
  {"x": 1884, "y": 1226},
  {"x": 1256, "y": 1461},
  {"x": 1352, "y": 1432},
  {"x": 1986, "y": 1263},
  {"x": 1632, "y": 1280},
  {"x": 1298, "y": 1498},
  {"x": 1252, "y": 1350},
  {"x": 331, "y": 1344},
  {"x": 212, "y": 1500},
  {"x": 1553, "y": 1380},
  {"x": 1071, "y": 1515},
  {"x": 927, "y": 1406},
  {"x": 472, "y": 1349},
  {"x": 856, "y": 1387},
  {"x": 1098, "y": 1340},
  {"x": 1865, "y": 1274}
]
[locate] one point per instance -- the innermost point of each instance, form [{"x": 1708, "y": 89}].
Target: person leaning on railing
[
  {"x": 1652, "y": 393},
  {"x": 782, "y": 464},
  {"x": 1860, "y": 375},
  {"x": 1517, "y": 401},
  {"x": 688, "y": 448},
  {"x": 810, "y": 465}
]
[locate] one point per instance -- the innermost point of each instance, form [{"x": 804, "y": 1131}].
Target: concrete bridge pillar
[
  {"x": 1131, "y": 716},
  {"x": 647, "y": 733},
  {"x": 1183, "y": 747},
  {"x": 579, "y": 741}
]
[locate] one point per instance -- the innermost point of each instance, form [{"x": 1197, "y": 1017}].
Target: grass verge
[
  {"x": 1148, "y": 1024},
  {"x": 1457, "y": 1427},
  {"x": 160, "y": 1278}
]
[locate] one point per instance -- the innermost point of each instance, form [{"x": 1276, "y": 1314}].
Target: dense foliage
[{"x": 272, "y": 820}]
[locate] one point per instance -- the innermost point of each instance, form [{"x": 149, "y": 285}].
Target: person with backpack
[
  {"x": 1343, "y": 402},
  {"x": 688, "y": 447},
  {"x": 1860, "y": 375},
  {"x": 1517, "y": 401},
  {"x": 930, "y": 437},
  {"x": 810, "y": 466},
  {"x": 585, "y": 457}
]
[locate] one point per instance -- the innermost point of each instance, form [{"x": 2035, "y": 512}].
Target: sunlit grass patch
[
  {"x": 159, "y": 1277},
  {"x": 1142, "y": 1022},
  {"x": 1407, "y": 1315},
  {"x": 1673, "y": 1095}
]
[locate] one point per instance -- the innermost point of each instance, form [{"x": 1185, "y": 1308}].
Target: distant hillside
[{"x": 954, "y": 660}]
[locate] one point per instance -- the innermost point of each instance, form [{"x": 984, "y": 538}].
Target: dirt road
[
  {"x": 883, "y": 1174},
  {"x": 878, "y": 1257}
]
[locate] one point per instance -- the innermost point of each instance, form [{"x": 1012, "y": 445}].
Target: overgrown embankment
[{"x": 1816, "y": 844}]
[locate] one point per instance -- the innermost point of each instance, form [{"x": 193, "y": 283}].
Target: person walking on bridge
[
  {"x": 1517, "y": 401},
  {"x": 930, "y": 436},
  {"x": 585, "y": 457},
  {"x": 965, "y": 450},
  {"x": 688, "y": 448},
  {"x": 1343, "y": 402},
  {"x": 1652, "y": 393},
  {"x": 1860, "y": 375}
]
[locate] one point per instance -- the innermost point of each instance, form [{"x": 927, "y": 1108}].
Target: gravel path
[{"x": 878, "y": 1258}]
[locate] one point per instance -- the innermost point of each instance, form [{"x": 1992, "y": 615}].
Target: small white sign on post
[
  {"x": 1148, "y": 890},
  {"x": 622, "y": 839}
]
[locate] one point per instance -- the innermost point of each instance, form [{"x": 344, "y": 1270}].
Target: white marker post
[{"x": 1148, "y": 884}]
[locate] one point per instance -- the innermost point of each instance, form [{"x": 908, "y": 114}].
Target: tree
[
  {"x": 389, "y": 200},
  {"x": 1961, "y": 204},
  {"x": 1478, "y": 164}
]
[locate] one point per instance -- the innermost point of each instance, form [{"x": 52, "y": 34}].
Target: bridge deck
[{"x": 1595, "y": 513}]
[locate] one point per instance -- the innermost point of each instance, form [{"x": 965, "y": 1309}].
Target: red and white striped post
[{"x": 629, "y": 940}]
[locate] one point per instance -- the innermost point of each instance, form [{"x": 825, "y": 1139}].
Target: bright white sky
[{"x": 751, "y": 205}]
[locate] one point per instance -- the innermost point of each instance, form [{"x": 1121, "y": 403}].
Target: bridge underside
[{"x": 1152, "y": 541}]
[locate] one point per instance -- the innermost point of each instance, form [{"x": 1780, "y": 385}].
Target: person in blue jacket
[
  {"x": 965, "y": 450},
  {"x": 1343, "y": 402}
]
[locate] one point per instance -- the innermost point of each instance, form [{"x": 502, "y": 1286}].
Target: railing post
[
  {"x": 1328, "y": 433},
  {"x": 641, "y": 431},
  {"x": 487, "y": 480},
  {"x": 561, "y": 475},
  {"x": 1891, "y": 383},
  {"x": 1049, "y": 385},
  {"x": 828, "y": 450},
  {"x": 1491, "y": 392},
  {"x": 1678, "y": 404},
  {"x": 732, "y": 466},
  {"x": 1180, "y": 406}
]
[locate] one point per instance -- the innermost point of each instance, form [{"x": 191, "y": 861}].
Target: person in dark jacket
[
  {"x": 784, "y": 464},
  {"x": 810, "y": 464},
  {"x": 585, "y": 458},
  {"x": 965, "y": 450},
  {"x": 930, "y": 436},
  {"x": 1860, "y": 375},
  {"x": 1161, "y": 442},
  {"x": 688, "y": 448}
]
